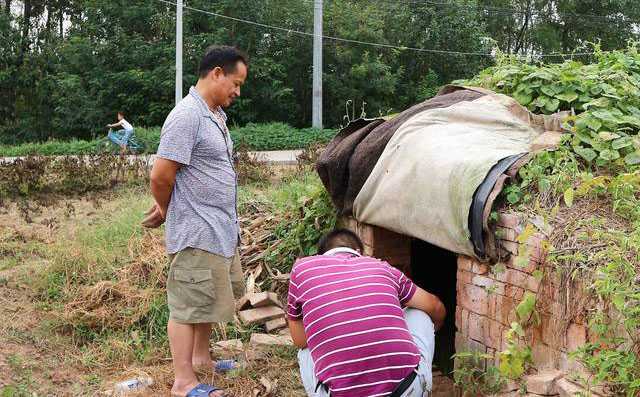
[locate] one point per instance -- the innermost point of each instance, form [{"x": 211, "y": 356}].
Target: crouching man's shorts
[{"x": 201, "y": 286}]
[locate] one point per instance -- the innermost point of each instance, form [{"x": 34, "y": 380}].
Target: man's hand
[{"x": 154, "y": 217}]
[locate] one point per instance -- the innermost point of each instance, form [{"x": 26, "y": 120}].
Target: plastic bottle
[{"x": 132, "y": 385}]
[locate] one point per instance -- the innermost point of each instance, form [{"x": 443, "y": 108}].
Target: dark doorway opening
[{"x": 434, "y": 269}]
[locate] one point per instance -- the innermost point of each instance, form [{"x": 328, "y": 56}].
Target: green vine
[{"x": 588, "y": 190}]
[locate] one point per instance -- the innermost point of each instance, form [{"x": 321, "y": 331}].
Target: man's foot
[
  {"x": 202, "y": 362},
  {"x": 181, "y": 390}
]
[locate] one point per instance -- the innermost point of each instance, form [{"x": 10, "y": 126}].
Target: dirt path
[{"x": 33, "y": 359}]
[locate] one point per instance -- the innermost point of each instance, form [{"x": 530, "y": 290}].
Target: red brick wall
[
  {"x": 383, "y": 244},
  {"x": 487, "y": 299}
]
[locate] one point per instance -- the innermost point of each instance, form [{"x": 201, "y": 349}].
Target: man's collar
[
  {"x": 342, "y": 250},
  {"x": 206, "y": 111}
]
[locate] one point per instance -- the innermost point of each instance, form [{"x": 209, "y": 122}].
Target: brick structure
[
  {"x": 488, "y": 294},
  {"x": 383, "y": 244}
]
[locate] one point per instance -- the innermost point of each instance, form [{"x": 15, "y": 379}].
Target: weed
[{"x": 471, "y": 376}]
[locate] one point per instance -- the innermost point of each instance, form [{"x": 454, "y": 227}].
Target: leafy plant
[
  {"x": 471, "y": 376},
  {"x": 604, "y": 95},
  {"x": 515, "y": 359}
]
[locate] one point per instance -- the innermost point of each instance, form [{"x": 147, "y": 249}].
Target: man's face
[{"x": 227, "y": 85}]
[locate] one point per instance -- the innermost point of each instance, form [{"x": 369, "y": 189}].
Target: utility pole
[
  {"x": 178, "y": 51},
  {"x": 317, "y": 64}
]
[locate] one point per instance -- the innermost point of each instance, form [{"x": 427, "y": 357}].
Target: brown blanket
[{"x": 348, "y": 160}]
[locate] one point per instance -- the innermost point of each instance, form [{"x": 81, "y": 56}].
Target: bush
[
  {"x": 41, "y": 175},
  {"x": 279, "y": 136},
  {"x": 274, "y": 136}
]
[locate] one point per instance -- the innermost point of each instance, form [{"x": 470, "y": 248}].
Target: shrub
[{"x": 273, "y": 136}]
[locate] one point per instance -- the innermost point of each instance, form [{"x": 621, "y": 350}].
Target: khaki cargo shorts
[{"x": 201, "y": 286}]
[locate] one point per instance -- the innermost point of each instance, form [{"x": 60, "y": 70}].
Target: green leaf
[
  {"x": 523, "y": 98},
  {"x": 622, "y": 142},
  {"x": 568, "y": 197},
  {"x": 605, "y": 115},
  {"x": 568, "y": 96},
  {"x": 593, "y": 123},
  {"x": 601, "y": 102},
  {"x": 609, "y": 155},
  {"x": 552, "y": 105},
  {"x": 544, "y": 184},
  {"x": 549, "y": 90},
  {"x": 522, "y": 261},
  {"x": 540, "y": 74},
  {"x": 541, "y": 101},
  {"x": 513, "y": 197},
  {"x": 607, "y": 136},
  {"x": 586, "y": 153},
  {"x": 632, "y": 158},
  {"x": 526, "y": 307},
  {"x": 619, "y": 302},
  {"x": 538, "y": 274}
]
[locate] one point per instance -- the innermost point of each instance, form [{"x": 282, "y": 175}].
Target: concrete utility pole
[
  {"x": 178, "y": 51},
  {"x": 317, "y": 64}
]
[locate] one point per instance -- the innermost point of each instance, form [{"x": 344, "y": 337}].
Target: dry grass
[{"x": 266, "y": 372}]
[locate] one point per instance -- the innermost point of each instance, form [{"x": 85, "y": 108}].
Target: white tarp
[{"x": 423, "y": 184}]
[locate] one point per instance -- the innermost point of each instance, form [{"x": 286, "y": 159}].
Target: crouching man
[{"x": 364, "y": 328}]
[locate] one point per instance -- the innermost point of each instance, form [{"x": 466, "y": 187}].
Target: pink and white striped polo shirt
[{"x": 351, "y": 308}]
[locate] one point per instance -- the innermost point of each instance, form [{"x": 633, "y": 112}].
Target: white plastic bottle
[{"x": 132, "y": 385}]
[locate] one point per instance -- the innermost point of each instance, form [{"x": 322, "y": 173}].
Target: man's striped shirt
[{"x": 351, "y": 308}]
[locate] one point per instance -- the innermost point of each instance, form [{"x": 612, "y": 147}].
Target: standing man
[
  {"x": 364, "y": 329},
  {"x": 194, "y": 184}
]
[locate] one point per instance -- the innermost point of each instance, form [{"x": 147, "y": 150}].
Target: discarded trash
[
  {"x": 132, "y": 385},
  {"x": 223, "y": 366}
]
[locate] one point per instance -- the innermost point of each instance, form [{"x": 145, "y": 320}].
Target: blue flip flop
[{"x": 202, "y": 390}]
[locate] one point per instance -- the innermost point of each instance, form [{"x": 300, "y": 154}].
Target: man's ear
[{"x": 216, "y": 73}]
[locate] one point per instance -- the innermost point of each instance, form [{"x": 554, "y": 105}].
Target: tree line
[{"x": 66, "y": 66}]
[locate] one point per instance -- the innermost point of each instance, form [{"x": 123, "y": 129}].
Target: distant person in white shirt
[{"x": 121, "y": 137}]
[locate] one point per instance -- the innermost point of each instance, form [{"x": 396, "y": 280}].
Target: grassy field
[{"x": 82, "y": 291}]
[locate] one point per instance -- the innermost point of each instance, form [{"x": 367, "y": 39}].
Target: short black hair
[
  {"x": 340, "y": 238},
  {"x": 221, "y": 56}
]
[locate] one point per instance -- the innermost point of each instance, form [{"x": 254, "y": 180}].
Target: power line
[
  {"x": 504, "y": 10},
  {"x": 352, "y": 41},
  {"x": 486, "y": 12}
]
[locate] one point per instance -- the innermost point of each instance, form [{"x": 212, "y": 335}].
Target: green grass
[{"x": 271, "y": 136}]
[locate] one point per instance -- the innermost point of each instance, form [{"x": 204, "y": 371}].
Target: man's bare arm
[
  {"x": 163, "y": 178},
  {"x": 297, "y": 333},
  {"x": 430, "y": 304}
]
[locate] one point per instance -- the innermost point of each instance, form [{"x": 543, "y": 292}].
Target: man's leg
[
  {"x": 308, "y": 375},
  {"x": 181, "y": 345},
  {"x": 421, "y": 328},
  {"x": 181, "y": 338},
  {"x": 190, "y": 303},
  {"x": 201, "y": 337}
]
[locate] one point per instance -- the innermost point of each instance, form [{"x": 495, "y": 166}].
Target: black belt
[{"x": 402, "y": 387}]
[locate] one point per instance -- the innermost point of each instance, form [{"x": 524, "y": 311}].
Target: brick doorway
[{"x": 434, "y": 269}]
